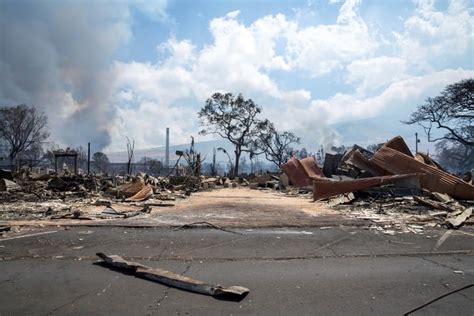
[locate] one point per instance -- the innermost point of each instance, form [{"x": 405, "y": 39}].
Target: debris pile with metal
[{"x": 389, "y": 181}]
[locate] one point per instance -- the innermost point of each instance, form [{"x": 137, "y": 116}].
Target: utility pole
[
  {"x": 88, "y": 158},
  {"x": 416, "y": 143},
  {"x": 167, "y": 153}
]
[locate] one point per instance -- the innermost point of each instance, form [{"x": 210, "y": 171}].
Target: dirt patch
[
  {"x": 244, "y": 207},
  {"x": 226, "y": 207}
]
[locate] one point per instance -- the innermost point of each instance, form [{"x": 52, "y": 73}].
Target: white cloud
[
  {"x": 140, "y": 99},
  {"x": 233, "y": 14},
  {"x": 368, "y": 75},
  {"x": 430, "y": 35},
  {"x": 155, "y": 9},
  {"x": 323, "y": 48},
  {"x": 399, "y": 98},
  {"x": 241, "y": 58}
]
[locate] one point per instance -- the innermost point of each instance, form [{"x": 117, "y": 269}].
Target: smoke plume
[{"x": 56, "y": 56}]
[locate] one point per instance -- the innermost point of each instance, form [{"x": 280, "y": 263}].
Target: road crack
[
  {"x": 74, "y": 300},
  {"x": 445, "y": 266}
]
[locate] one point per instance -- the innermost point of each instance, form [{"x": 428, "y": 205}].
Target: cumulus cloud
[
  {"x": 395, "y": 100},
  {"x": 155, "y": 9},
  {"x": 326, "y": 47},
  {"x": 430, "y": 34},
  {"x": 241, "y": 57},
  {"x": 64, "y": 62},
  {"x": 368, "y": 75}
]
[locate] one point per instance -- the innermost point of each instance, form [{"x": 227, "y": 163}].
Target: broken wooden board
[
  {"x": 185, "y": 283},
  {"x": 174, "y": 280},
  {"x": 458, "y": 220}
]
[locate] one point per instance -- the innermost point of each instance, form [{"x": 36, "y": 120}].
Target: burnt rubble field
[{"x": 391, "y": 189}]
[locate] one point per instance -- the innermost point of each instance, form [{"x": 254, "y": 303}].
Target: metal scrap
[
  {"x": 434, "y": 179},
  {"x": 301, "y": 172},
  {"x": 324, "y": 188},
  {"x": 145, "y": 193}
]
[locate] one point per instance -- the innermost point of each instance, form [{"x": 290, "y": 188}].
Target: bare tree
[
  {"x": 154, "y": 166},
  {"x": 302, "y": 153},
  {"x": 81, "y": 157},
  {"x": 193, "y": 159},
  {"x": 130, "y": 150},
  {"x": 233, "y": 118},
  {"x": 374, "y": 147},
  {"x": 276, "y": 145},
  {"x": 101, "y": 161},
  {"x": 452, "y": 111},
  {"x": 454, "y": 156},
  {"x": 231, "y": 164},
  {"x": 22, "y": 127}
]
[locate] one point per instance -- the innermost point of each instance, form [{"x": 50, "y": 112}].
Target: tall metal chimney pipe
[{"x": 167, "y": 157}]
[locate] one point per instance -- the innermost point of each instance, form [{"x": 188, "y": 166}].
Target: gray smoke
[{"x": 57, "y": 55}]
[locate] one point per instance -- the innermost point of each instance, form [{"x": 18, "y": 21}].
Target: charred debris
[{"x": 380, "y": 186}]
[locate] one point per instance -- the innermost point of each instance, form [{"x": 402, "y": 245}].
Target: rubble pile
[
  {"x": 86, "y": 197},
  {"x": 390, "y": 186}
]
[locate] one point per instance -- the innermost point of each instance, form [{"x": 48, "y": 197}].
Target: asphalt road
[{"x": 320, "y": 271}]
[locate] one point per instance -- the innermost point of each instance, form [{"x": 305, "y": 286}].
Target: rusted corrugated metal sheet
[
  {"x": 324, "y": 188},
  {"x": 434, "y": 180},
  {"x": 427, "y": 160},
  {"x": 358, "y": 160},
  {"x": 301, "y": 172},
  {"x": 399, "y": 144},
  {"x": 312, "y": 170},
  {"x": 142, "y": 195},
  {"x": 132, "y": 188},
  {"x": 296, "y": 173}
]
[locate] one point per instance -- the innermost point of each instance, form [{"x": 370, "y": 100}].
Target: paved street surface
[{"x": 337, "y": 270}]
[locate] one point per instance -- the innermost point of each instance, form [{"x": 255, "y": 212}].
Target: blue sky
[{"x": 103, "y": 70}]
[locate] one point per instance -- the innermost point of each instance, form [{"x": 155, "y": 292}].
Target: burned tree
[
  {"x": 130, "y": 150},
  {"x": 231, "y": 164},
  {"x": 451, "y": 112},
  {"x": 193, "y": 159},
  {"x": 454, "y": 156},
  {"x": 101, "y": 161},
  {"x": 22, "y": 128},
  {"x": 233, "y": 118},
  {"x": 275, "y": 145}
]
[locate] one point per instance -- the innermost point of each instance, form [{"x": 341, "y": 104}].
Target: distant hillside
[{"x": 205, "y": 148}]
